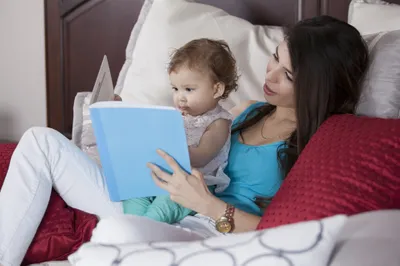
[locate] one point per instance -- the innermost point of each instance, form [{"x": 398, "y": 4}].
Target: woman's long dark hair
[{"x": 329, "y": 60}]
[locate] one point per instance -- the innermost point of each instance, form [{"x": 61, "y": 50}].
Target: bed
[{"x": 80, "y": 32}]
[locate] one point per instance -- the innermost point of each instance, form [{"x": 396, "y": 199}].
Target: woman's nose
[{"x": 272, "y": 75}]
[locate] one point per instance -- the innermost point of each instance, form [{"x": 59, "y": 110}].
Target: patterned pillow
[
  {"x": 351, "y": 165},
  {"x": 302, "y": 244}
]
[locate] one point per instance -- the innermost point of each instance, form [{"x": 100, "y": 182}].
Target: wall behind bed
[{"x": 22, "y": 67}]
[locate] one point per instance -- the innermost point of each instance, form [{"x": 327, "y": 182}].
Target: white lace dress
[{"x": 195, "y": 126}]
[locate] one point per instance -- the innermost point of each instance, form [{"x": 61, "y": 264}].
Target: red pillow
[
  {"x": 63, "y": 229},
  {"x": 351, "y": 165}
]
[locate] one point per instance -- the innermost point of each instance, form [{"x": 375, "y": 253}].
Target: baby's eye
[
  {"x": 174, "y": 89},
  {"x": 189, "y": 89}
]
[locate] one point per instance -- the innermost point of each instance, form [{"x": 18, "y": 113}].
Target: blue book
[{"x": 127, "y": 138}]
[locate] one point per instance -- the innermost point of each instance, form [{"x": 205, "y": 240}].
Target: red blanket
[{"x": 63, "y": 229}]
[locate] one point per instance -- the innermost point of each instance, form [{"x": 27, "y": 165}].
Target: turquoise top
[{"x": 253, "y": 170}]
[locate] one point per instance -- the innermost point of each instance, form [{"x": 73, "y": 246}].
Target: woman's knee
[
  {"x": 38, "y": 132},
  {"x": 45, "y": 137}
]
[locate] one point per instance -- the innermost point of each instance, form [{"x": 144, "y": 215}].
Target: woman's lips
[{"x": 268, "y": 91}]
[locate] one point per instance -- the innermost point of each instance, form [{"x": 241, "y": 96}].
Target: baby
[{"x": 202, "y": 73}]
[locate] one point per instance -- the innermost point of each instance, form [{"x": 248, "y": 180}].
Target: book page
[{"x": 103, "y": 89}]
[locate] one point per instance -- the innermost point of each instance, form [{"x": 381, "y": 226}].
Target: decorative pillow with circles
[{"x": 300, "y": 244}]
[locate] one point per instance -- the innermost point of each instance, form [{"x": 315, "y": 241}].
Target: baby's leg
[
  {"x": 137, "y": 206},
  {"x": 163, "y": 209}
]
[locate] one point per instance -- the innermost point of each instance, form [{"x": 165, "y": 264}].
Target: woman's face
[{"x": 278, "y": 87}]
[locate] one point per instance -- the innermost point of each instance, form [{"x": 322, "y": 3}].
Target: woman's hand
[
  {"x": 191, "y": 192},
  {"x": 117, "y": 98},
  {"x": 188, "y": 190}
]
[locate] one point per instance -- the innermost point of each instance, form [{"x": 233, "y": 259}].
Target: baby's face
[{"x": 193, "y": 91}]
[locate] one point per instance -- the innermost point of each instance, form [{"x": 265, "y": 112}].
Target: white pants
[{"x": 45, "y": 159}]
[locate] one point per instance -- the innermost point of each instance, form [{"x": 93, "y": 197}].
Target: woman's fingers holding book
[
  {"x": 189, "y": 190},
  {"x": 162, "y": 184},
  {"x": 171, "y": 162},
  {"x": 159, "y": 174},
  {"x": 165, "y": 180},
  {"x": 117, "y": 97}
]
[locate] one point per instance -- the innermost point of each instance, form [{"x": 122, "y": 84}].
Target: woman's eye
[{"x": 288, "y": 76}]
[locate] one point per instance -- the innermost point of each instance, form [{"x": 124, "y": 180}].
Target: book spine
[{"x": 102, "y": 147}]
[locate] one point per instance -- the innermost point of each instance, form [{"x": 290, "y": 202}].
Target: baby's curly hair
[{"x": 212, "y": 56}]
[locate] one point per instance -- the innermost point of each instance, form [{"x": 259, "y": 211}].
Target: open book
[
  {"x": 103, "y": 89},
  {"x": 128, "y": 137}
]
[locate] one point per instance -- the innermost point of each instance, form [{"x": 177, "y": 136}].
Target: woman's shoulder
[{"x": 240, "y": 108}]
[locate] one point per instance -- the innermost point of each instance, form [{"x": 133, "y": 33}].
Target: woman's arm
[
  {"x": 243, "y": 221},
  {"x": 190, "y": 190}
]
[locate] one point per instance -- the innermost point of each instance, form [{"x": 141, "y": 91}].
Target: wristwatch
[{"x": 225, "y": 224}]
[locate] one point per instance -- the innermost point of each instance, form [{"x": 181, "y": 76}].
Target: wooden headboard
[{"x": 80, "y": 32}]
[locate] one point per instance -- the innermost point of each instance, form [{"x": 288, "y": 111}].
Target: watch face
[{"x": 224, "y": 226}]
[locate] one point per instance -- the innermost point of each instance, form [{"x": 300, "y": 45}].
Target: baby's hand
[{"x": 117, "y": 98}]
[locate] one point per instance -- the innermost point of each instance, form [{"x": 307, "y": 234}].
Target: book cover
[{"x": 127, "y": 139}]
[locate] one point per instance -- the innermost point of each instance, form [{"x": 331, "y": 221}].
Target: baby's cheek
[{"x": 175, "y": 100}]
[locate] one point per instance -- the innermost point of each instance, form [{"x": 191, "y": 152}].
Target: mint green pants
[{"x": 160, "y": 208}]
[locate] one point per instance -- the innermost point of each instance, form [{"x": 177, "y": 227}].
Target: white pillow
[
  {"x": 372, "y": 16},
  {"x": 300, "y": 244},
  {"x": 380, "y": 95},
  {"x": 167, "y": 25},
  {"x": 78, "y": 118}
]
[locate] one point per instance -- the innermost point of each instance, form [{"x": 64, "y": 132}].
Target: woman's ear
[{"x": 219, "y": 89}]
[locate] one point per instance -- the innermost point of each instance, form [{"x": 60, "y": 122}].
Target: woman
[{"x": 315, "y": 73}]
